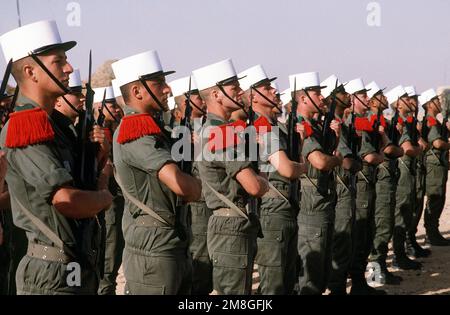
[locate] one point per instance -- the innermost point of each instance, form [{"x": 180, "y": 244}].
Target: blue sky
[{"x": 411, "y": 45}]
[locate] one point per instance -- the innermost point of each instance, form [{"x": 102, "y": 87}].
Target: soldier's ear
[
  {"x": 29, "y": 72},
  {"x": 136, "y": 91}
]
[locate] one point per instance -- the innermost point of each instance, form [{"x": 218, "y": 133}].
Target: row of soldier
[{"x": 333, "y": 182}]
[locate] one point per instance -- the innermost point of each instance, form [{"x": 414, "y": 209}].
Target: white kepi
[
  {"x": 373, "y": 89},
  {"x": 145, "y": 65},
  {"x": 218, "y": 73},
  {"x": 253, "y": 77},
  {"x": 99, "y": 92},
  {"x": 411, "y": 90},
  {"x": 427, "y": 96},
  {"x": 304, "y": 81},
  {"x": 35, "y": 38},
  {"x": 330, "y": 85},
  {"x": 75, "y": 83},
  {"x": 116, "y": 87},
  {"x": 356, "y": 86},
  {"x": 181, "y": 86},
  {"x": 395, "y": 94}
]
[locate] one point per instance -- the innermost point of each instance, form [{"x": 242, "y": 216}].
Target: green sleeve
[
  {"x": 434, "y": 134},
  {"x": 310, "y": 145},
  {"x": 148, "y": 154},
  {"x": 405, "y": 136},
  {"x": 40, "y": 168},
  {"x": 366, "y": 145},
  {"x": 271, "y": 144}
]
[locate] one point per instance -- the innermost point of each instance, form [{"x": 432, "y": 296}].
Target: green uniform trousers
[
  {"x": 404, "y": 206},
  {"x": 342, "y": 240},
  {"x": 155, "y": 260},
  {"x": 436, "y": 180},
  {"x": 385, "y": 190},
  {"x": 362, "y": 235},
  {"x": 315, "y": 234},
  {"x": 232, "y": 247},
  {"x": 114, "y": 245},
  {"x": 201, "y": 263},
  {"x": 277, "y": 251}
]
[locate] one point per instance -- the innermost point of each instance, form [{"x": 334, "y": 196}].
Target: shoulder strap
[
  {"x": 44, "y": 228},
  {"x": 227, "y": 201},
  {"x": 138, "y": 203}
]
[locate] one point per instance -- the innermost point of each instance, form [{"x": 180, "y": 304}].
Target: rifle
[
  {"x": 101, "y": 116},
  {"x": 328, "y": 136},
  {"x": 353, "y": 143},
  {"x": 394, "y": 135},
  {"x": 253, "y": 202},
  {"x": 181, "y": 210},
  {"x": 5, "y": 79},
  {"x": 86, "y": 171},
  {"x": 293, "y": 149}
]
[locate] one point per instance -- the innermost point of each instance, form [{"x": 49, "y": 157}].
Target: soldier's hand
[
  {"x": 263, "y": 182},
  {"x": 400, "y": 128},
  {"x": 419, "y": 127},
  {"x": 105, "y": 174},
  {"x": 381, "y": 130},
  {"x": 339, "y": 156},
  {"x": 98, "y": 135},
  {"x": 301, "y": 130},
  {"x": 303, "y": 168},
  {"x": 448, "y": 125},
  {"x": 423, "y": 144},
  {"x": 336, "y": 127}
]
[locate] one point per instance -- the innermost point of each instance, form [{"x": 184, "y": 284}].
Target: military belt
[
  {"x": 309, "y": 182},
  {"x": 48, "y": 253},
  {"x": 226, "y": 212},
  {"x": 146, "y": 220}
]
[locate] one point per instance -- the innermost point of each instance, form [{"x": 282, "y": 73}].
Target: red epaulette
[
  {"x": 108, "y": 134},
  {"x": 431, "y": 121},
  {"x": 373, "y": 118},
  {"x": 400, "y": 121},
  {"x": 225, "y": 136},
  {"x": 410, "y": 119},
  {"x": 137, "y": 126},
  {"x": 262, "y": 125},
  {"x": 28, "y": 127},
  {"x": 363, "y": 124},
  {"x": 308, "y": 129}
]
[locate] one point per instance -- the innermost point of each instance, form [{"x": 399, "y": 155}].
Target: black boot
[
  {"x": 403, "y": 262},
  {"x": 435, "y": 238},
  {"x": 414, "y": 249},
  {"x": 360, "y": 287},
  {"x": 380, "y": 275}
]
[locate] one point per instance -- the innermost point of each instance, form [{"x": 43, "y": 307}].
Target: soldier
[
  {"x": 398, "y": 99},
  {"x": 277, "y": 251},
  {"x": 111, "y": 115},
  {"x": 155, "y": 258},
  {"x": 437, "y": 166},
  {"x": 412, "y": 247},
  {"x": 58, "y": 218},
  {"x": 316, "y": 217},
  {"x": 227, "y": 181},
  {"x": 199, "y": 212},
  {"x": 385, "y": 189},
  {"x": 365, "y": 201},
  {"x": 342, "y": 233}
]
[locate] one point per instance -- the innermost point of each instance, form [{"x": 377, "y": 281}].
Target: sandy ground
[{"x": 433, "y": 279}]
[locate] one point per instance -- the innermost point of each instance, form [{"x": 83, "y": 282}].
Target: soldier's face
[
  {"x": 76, "y": 99},
  {"x": 413, "y": 103},
  {"x": 234, "y": 91},
  {"x": 114, "y": 109},
  {"x": 436, "y": 104},
  {"x": 316, "y": 97},
  {"x": 361, "y": 101},
  {"x": 161, "y": 90},
  {"x": 269, "y": 92},
  {"x": 344, "y": 97},
  {"x": 5, "y": 102},
  {"x": 198, "y": 102},
  {"x": 56, "y": 63}
]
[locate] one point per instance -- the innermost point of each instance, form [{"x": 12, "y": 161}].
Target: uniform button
[{"x": 44, "y": 257}]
